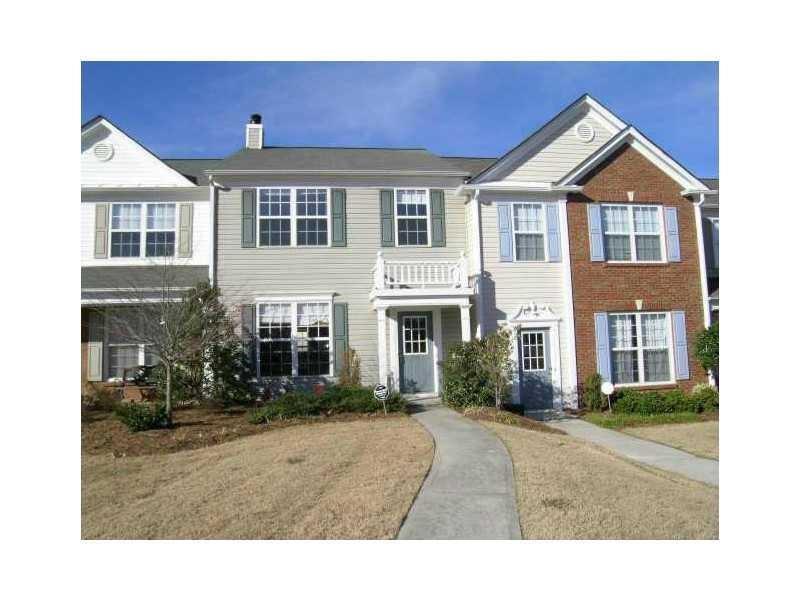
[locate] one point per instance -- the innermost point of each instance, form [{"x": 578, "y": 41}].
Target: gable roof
[
  {"x": 193, "y": 168},
  {"x": 473, "y": 165},
  {"x": 529, "y": 144},
  {"x": 640, "y": 142},
  {"x": 349, "y": 160}
]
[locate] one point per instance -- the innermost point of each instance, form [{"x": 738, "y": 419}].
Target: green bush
[
  {"x": 335, "y": 400},
  {"x": 592, "y": 397},
  {"x": 142, "y": 416},
  {"x": 705, "y": 396},
  {"x": 706, "y": 348},
  {"x": 465, "y": 382},
  {"x": 673, "y": 401}
]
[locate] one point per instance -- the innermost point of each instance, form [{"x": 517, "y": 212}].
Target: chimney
[{"x": 254, "y": 134}]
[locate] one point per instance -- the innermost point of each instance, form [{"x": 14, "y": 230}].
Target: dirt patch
[
  {"x": 334, "y": 480},
  {"x": 701, "y": 439},
  {"x": 103, "y": 433},
  {"x": 571, "y": 489},
  {"x": 494, "y": 415}
]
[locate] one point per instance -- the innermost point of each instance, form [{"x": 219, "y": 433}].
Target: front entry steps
[
  {"x": 425, "y": 399},
  {"x": 550, "y": 414}
]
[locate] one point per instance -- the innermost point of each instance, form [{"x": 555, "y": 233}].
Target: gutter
[
  {"x": 212, "y": 172},
  {"x": 465, "y": 189}
]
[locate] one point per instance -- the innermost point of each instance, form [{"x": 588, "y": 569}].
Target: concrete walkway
[
  {"x": 469, "y": 492},
  {"x": 643, "y": 451}
]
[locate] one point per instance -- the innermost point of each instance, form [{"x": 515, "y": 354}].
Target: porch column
[
  {"x": 465, "y": 326},
  {"x": 382, "y": 356}
]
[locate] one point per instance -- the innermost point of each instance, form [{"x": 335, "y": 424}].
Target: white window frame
[
  {"x": 632, "y": 233},
  {"x": 403, "y": 335},
  {"x": 640, "y": 349},
  {"x": 294, "y": 301},
  {"x": 514, "y": 231},
  {"x": 293, "y": 216},
  {"x": 535, "y": 332},
  {"x": 397, "y": 217},
  {"x": 142, "y": 229}
]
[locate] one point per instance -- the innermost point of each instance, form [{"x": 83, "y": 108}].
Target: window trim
[
  {"x": 397, "y": 217},
  {"x": 640, "y": 349},
  {"x": 425, "y": 339},
  {"x": 632, "y": 233},
  {"x": 293, "y": 216},
  {"x": 143, "y": 229},
  {"x": 543, "y": 232},
  {"x": 534, "y": 332},
  {"x": 293, "y": 301}
]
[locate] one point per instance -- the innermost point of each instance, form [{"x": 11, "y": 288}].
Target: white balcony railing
[{"x": 408, "y": 274}]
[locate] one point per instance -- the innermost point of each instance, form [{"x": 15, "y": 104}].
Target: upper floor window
[
  {"x": 528, "y": 227},
  {"x": 632, "y": 233},
  {"x": 640, "y": 348},
  {"x": 412, "y": 217},
  {"x": 715, "y": 240},
  {"x": 129, "y": 221},
  {"x": 293, "y": 217}
]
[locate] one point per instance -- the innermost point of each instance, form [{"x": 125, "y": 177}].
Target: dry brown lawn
[
  {"x": 570, "y": 489},
  {"x": 342, "y": 480},
  {"x": 701, "y": 439}
]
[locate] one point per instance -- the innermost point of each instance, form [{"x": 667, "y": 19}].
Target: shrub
[
  {"x": 494, "y": 358},
  {"x": 229, "y": 383},
  {"x": 706, "y": 348},
  {"x": 465, "y": 381},
  {"x": 673, "y": 401},
  {"x": 99, "y": 397},
  {"x": 142, "y": 416},
  {"x": 592, "y": 397},
  {"x": 705, "y": 396},
  {"x": 350, "y": 374}
]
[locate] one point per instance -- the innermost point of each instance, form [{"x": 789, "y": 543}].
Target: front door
[
  {"x": 535, "y": 372},
  {"x": 416, "y": 352}
]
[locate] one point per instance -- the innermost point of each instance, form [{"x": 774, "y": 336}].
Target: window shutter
[
  {"x": 101, "y": 230},
  {"x": 437, "y": 219},
  {"x": 185, "y": 230},
  {"x": 249, "y": 218},
  {"x": 339, "y": 218},
  {"x": 504, "y": 232},
  {"x": 387, "y": 217},
  {"x": 553, "y": 232},
  {"x": 340, "y": 342},
  {"x": 673, "y": 241},
  {"x": 596, "y": 250},
  {"x": 602, "y": 345},
  {"x": 248, "y": 315},
  {"x": 94, "y": 359},
  {"x": 681, "y": 346}
]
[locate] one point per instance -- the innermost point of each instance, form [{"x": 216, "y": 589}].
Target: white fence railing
[{"x": 396, "y": 274}]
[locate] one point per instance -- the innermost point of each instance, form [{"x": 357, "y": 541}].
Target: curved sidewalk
[{"x": 469, "y": 493}]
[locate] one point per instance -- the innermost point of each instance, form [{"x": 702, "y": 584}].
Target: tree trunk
[
  {"x": 497, "y": 400},
  {"x": 168, "y": 394}
]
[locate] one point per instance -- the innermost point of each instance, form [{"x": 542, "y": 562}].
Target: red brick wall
[{"x": 603, "y": 287}]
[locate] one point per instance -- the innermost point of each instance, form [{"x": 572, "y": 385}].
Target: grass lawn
[
  {"x": 335, "y": 479},
  {"x": 570, "y": 489},
  {"x": 620, "y": 420},
  {"x": 700, "y": 438}
]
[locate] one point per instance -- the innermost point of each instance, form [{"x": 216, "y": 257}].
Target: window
[
  {"x": 274, "y": 217},
  {"x": 640, "y": 348},
  {"x": 312, "y": 217},
  {"x": 293, "y": 217},
  {"x": 127, "y": 227},
  {"x": 121, "y": 360},
  {"x": 125, "y": 329},
  {"x": 412, "y": 217},
  {"x": 294, "y": 338},
  {"x": 415, "y": 335},
  {"x": 532, "y": 350},
  {"x": 715, "y": 240},
  {"x": 632, "y": 233},
  {"x": 528, "y": 225}
]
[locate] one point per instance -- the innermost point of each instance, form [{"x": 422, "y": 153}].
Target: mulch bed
[
  {"x": 504, "y": 417},
  {"x": 102, "y": 433}
]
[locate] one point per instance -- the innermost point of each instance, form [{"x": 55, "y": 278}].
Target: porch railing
[{"x": 399, "y": 274}]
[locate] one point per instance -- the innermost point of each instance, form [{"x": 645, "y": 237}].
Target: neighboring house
[
  {"x": 709, "y": 209},
  {"x": 144, "y": 224},
  {"x": 585, "y": 239}
]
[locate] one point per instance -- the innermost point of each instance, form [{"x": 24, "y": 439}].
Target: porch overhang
[{"x": 399, "y": 298}]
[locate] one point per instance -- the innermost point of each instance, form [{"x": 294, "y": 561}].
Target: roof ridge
[{"x": 337, "y": 148}]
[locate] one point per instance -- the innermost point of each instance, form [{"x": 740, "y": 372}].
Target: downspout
[
  {"x": 477, "y": 244},
  {"x": 212, "y": 217},
  {"x": 701, "y": 244}
]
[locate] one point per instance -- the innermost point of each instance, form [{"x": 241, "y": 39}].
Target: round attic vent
[
  {"x": 584, "y": 132},
  {"x": 103, "y": 151}
]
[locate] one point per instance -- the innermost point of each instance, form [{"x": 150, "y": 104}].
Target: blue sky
[{"x": 454, "y": 109}]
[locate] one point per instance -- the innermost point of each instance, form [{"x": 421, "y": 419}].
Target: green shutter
[
  {"x": 387, "y": 217},
  {"x": 340, "y": 342},
  {"x": 437, "y": 219},
  {"x": 339, "y": 217},
  {"x": 249, "y": 218},
  {"x": 185, "y": 231},
  {"x": 101, "y": 230}
]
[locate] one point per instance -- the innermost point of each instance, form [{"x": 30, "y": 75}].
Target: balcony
[{"x": 426, "y": 279}]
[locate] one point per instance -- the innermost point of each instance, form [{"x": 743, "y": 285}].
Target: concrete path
[
  {"x": 643, "y": 451},
  {"x": 469, "y": 492}
]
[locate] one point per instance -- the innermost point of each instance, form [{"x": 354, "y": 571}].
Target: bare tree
[{"x": 494, "y": 357}]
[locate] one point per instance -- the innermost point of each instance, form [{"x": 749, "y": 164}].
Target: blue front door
[
  {"x": 535, "y": 370},
  {"x": 416, "y": 352}
]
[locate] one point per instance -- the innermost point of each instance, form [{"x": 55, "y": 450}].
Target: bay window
[
  {"x": 632, "y": 233},
  {"x": 412, "y": 217},
  {"x": 640, "y": 348},
  {"x": 293, "y": 216},
  {"x": 294, "y": 338}
]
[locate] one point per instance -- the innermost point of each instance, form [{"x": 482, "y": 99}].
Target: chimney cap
[{"x": 255, "y": 119}]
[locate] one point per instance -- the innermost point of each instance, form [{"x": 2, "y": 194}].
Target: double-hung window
[
  {"x": 126, "y": 350},
  {"x": 640, "y": 348},
  {"x": 715, "y": 240},
  {"x": 155, "y": 222},
  {"x": 633, "y": 233},
  {"x": 412, "y": 217},
  {"x": 529, "y": 228},
  {"x": 293, "y": 216},
  {"x": 294, "y": 338}
]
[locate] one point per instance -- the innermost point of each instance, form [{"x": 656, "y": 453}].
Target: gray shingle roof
[
  {"x": 337, "y": 159},
  {"x": 130, "y": 277},
  {"x": 470, "y": 164},
  {"x": 711, "y": 183},
  {"x": 192, "y": 168}
]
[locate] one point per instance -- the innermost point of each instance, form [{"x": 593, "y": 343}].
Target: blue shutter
[
  {"x": 504, "y": 232},
  {"x": 602, "y": 346},
  {"x": 681, "y": 346},
  {"x": 673, "y": 241},
  {"x": 553, "y": 232},
  {"x": 596, "y": 250}
]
